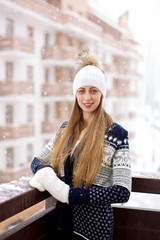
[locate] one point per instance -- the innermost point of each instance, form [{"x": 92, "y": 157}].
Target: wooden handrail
[
  {"x": 17, "y": 196},
  {"x": 20, "y": 195},
  {"x": 146, "y": 185}
]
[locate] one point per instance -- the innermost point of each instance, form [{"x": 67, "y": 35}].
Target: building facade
[{"x": 39, "y": 43}]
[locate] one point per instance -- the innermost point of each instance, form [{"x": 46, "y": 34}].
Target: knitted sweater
[{"x": 92, "y": 215}]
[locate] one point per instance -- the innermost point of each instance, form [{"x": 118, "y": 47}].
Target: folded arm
[{"x": 46, "y": 179}]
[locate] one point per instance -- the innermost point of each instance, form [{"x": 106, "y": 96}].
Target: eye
[
  {"x": 93, "y": 91},
  {"x": 80, "y": 91}
]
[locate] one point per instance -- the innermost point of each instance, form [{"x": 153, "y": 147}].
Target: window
[
  {"x": 9, "y": 158},
  {"x": 30, "y": 32},
  {"x": 29, "y": 152},
  {"x": 46, "y": 112},
  {"x": 47, "y": 40},
  {"x": 9, "y": 27},
  {"x": 30, "y": 113},
  {"x": 9, "y": 71},
  {"x": 30, "y": 73},
  {"x": 46, "y": 75},
  {"x": 9, "y": 114}
]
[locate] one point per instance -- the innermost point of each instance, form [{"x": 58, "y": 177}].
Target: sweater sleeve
[
  {"x": 99, "y": 195},
  {"x": 43, "y": 159},
  {"x": 120, "y": 187},
  {"x": 121, "y": 162},
  {"x": 37, "y": 164}
]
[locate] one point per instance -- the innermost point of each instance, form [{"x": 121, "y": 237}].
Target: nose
[{"x": 87, "y": 96}]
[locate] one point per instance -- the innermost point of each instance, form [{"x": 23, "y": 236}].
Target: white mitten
[
  {"x": 35, "y": 182},
  {"x": 46, "y": 179}
]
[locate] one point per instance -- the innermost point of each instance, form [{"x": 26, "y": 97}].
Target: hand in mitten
[
  {"x": 36, "y": 182},
  {"x": 46, "y": 179}
]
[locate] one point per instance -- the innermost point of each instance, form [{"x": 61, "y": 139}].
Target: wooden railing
[
  {"x": 139, "y": 223},
  {"x": 131, "y": 222}
]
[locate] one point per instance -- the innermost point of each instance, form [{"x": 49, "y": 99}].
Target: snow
[
  {"x": 14, "y": 188},
  {"x": 142, "y": 201}
]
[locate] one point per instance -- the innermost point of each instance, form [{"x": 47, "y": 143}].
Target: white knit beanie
[{"x": 90, "y": 76}]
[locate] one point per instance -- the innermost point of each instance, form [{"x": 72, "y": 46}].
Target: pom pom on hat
[{"x": 90, "y": 75}]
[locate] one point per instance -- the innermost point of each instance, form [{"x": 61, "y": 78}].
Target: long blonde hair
[{"x": 88, "y": 154}]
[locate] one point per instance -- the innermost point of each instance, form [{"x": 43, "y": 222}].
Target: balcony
[
  {"x": 57, "y": 89},
  {"x": 61, "y": 54},
  {"x": 40, "y": 7},
  {"x": 15, "y": 88},
  {"x": 16, "y": 43},
  {"x": 13, "y": 132},
  {"x": 48, "y": 126},
  {"x": 131, "y": 223},
  {"x": 78, "y": 24},
  {"x": 53, "y": 12}
]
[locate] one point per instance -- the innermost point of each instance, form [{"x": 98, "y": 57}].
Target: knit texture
[
  {"x": 91, "y": 208},
  {"x": 90, "y": 76}
]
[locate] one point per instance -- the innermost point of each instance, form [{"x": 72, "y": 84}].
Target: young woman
[{"x": 86, "y": 166}]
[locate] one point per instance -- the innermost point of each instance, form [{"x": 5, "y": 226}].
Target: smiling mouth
[{"x": 88, "y": 104}]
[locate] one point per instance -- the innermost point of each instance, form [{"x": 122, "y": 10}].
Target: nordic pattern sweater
[{"x": 92, "y": 213}]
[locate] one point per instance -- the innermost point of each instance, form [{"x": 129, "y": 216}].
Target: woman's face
[{"x": 88, "y": 98}]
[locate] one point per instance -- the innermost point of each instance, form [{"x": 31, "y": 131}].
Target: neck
[{"x": 87, "y": 119}]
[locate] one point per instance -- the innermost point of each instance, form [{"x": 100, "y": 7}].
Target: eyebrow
[{"x": 89, "y": 88}]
